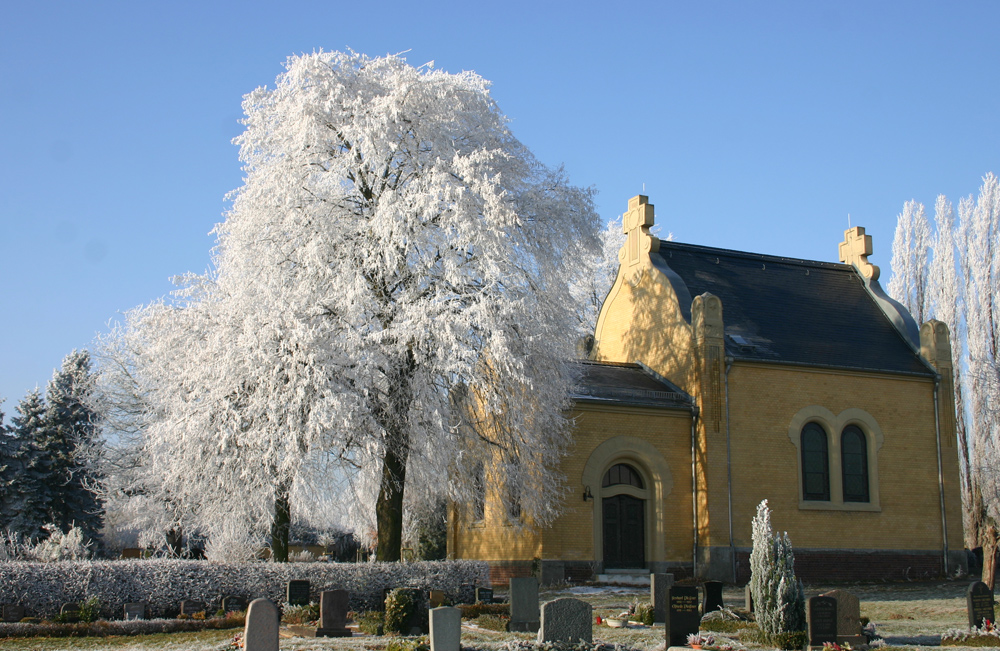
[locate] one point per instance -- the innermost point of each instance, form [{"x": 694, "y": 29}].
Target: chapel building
[{"x": 717, "y": 379}]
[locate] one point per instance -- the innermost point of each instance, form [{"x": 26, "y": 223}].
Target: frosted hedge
[{"x": 42, "y": 588}]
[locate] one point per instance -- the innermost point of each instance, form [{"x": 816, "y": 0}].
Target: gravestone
[
  {"x": 70, "y": 612},
  {"x": 821, "y": 616},
  {"x": 234, "y": 604},
  {"x": 659, "y": 587},
  {"x": 980, "y": 603},
  {"x": 484, "y": 595},
  {"x": 524, "y": 617},
  {"x": 566, "y": 620},
  {"x": 445, "y": 629},
  {"x": 13, "y": 613},
  {"x": 435, "y": 598},
  {"x": 191, "y": 606},
  {"x": 683, "y": 616},
  {"x": 848, "y": 617},
  {"x": 466, "y": 593},
  {"x": 713, "y": 597},
  {"x": 748, "y": 598},
  {"x": 135, "y": 610},
  {"x": 261, "y": 630},
  {"x": 297, "y": 592},
  {"x": 333, "y": 614}
]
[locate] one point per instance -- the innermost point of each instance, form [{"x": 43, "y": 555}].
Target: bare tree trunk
[
  {"x": 282, "y": 523},
  {"x": 988, "y": 538},
  {"x": 389, "y": 508}
]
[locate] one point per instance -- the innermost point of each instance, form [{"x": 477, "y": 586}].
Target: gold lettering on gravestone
[{"x": 685, "y": 604}]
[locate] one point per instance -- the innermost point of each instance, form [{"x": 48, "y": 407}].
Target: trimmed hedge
[{"x": 42, "y": 588}]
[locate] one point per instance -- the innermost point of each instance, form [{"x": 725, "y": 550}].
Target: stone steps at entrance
[{"x": 627, "y": 577}]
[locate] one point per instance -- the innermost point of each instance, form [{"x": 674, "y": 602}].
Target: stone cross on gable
[
  {"x": 855, "y": 250},
  {"x": 635, "y": 223}
]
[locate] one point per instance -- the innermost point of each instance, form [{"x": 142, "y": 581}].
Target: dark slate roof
[
  {"x": 791, "y": 311},
  {"x": 632, "y": 384}
]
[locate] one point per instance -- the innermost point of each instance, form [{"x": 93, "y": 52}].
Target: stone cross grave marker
[
  {"x": 980, "y": 602},
  {"x": 234, "y": 604},
  {"x": 191, "y": 606},
  {"x": 821, "y": 613},
  {"x": 261, "y": 630},
  {"x": 484, "y": 595},
  {"x": 566, "y": 620},
  {"x": 524, "y": 614},
  {"x": 445, "y": 629},
  {"x": 297, "y": 592},
  {"x": 683, "y": 616},
  {"x": 659, "y": 587},
  {"x": 713, "y": 597},
  {"x": 435, "y": 598},
  {"x": 135, "y": 610},
  {"x": 333, "y": 614},
  {"x": 70, "y": 612},
  {"x": 848, "y": 617},
  {"x": 466, "y": 593}
]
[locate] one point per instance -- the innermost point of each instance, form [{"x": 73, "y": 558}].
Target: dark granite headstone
[
  {"x": 748, "y": 599},
  {"x": 484, "y": 595},
  {"x": 297, "y": 592},
  {"x": 524, "y": 613},
  {"x": 191, "y": 606},
  {"x": 713, "y": 597},
  {"x": 683, "y": 616},
  {"x": 135, "y": 610},
  {"x": 234, "y": 604},
  {"x": 821, "y": 613},
  {"x": 466, "y": 593},
  {"x": 659, "y": 585},
  {"x": 980, "y": 603},
  {"x": 70, "y": 612},
  {"x": 333, "y": 614},
  {"x": 13, "y": 613}
]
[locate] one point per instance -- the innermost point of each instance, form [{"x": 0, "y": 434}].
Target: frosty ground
[{"x": 913, "y": 614}]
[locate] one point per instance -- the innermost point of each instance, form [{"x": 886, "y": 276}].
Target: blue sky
[{"x": 754, "y": 126}]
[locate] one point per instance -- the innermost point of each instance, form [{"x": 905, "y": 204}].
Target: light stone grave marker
[
  {"x": 445, "y": 629},
  {"x": 566, "y": 620},
  {"x": 435, "y": 598},
  {"x": 848, "y": 617},
  {"x": 261, "y": 630},
  {"x": 524, "y": 614}
]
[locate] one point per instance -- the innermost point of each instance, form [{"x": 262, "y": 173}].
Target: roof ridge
[{"x": 755, "y": 256}]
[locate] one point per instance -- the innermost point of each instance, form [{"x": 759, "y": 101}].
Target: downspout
[
  {"x": 937, "y": 433},
  {"x": 694, "y": 491},
  {"x": 729, "y": 471}
]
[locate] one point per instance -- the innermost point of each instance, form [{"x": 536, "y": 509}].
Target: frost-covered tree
[
  {"x": 778, "y": 596},
  {"x": 910, "y": 260},
  {"x": 964, "y": 292},
  {"x": 390, "y": 305}
]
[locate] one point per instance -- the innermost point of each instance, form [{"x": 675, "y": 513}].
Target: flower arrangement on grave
[
  {"x": 833, "y": 646},
  {"x": 699, "y": 640}
]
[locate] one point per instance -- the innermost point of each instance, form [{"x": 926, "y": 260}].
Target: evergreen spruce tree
[
  {"x": 778, "y": 596},
  {"x": 32, "y": 491},
  {"x": 71, "y": 430},
  {"x": 7, "y": 466}
]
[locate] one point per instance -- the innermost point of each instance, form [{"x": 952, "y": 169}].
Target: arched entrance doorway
[{"x": 624, "y": 515}]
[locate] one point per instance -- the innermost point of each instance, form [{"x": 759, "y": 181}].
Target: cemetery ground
[{"x": 912, "y": 614}]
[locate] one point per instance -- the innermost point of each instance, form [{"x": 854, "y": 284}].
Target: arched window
[
  {"x": 479, "y": 493},
  {"x": 854, "y": 462},
  {"x": 622, "y": 473},
  {"x": 815, "y": 464}
]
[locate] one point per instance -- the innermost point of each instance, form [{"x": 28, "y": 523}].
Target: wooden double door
[{"x": 624, "y": 532}]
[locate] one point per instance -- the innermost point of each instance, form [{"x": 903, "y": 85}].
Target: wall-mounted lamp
[{"x": 587, "y": 495}]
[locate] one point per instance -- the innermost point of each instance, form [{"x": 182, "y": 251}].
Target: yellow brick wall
[
  {"x": 571, "y": 537},
  {"x": 763, "y": 401}
]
